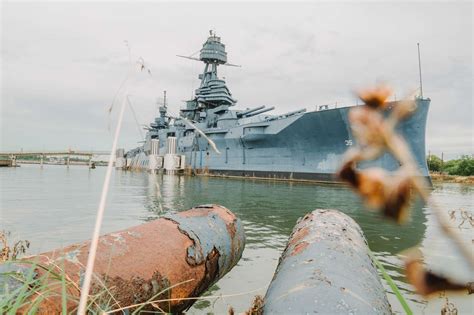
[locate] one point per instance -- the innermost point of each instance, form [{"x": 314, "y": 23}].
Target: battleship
[{"x": 210, "y": 137}]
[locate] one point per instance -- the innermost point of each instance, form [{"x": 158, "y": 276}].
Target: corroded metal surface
[
  {"x": 173, "y": 257},
  {"x": 326, "y": 269}
]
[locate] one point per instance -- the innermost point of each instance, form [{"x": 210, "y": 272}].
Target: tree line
[{"x": 463, "y": 166}]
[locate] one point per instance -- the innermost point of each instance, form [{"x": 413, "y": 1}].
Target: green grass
[
  {"x": 33, "y": 290},
  {"x": 392, "y": 285}
]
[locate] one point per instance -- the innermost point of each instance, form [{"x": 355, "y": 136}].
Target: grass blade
[{"x": 392, "y": 285}]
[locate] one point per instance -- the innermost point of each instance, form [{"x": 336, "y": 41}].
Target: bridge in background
[{"x": 67, "y": 154}]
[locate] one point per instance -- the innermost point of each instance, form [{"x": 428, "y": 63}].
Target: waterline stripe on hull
[{"x": 282, "y": 176}]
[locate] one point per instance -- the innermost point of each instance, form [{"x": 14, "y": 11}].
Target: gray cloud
[{"x": 63, "y": 62}]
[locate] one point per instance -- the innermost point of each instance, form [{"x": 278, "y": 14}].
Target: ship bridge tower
[
  {"x": 162, "y": 121},
  {"x": 212, "y": 91}
]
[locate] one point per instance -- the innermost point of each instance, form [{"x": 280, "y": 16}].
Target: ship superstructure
[{"x": 297, "y": 145}]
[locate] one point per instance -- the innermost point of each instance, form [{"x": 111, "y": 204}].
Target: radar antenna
[
  {"x": 212, "y": 91},
  {"x": 212, "y": 52}
]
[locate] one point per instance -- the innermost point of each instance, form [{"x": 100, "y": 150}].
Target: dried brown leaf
[
  {"x": 349, "y": 174},
  {"x": 427, "y": 283},
  {"x": 376, "y": 98},
  {"x": 398, "y": 198},
  {"x": 403, "y": 109},
  {"x": 257, "y": 306},
  {"x": 372, "y": 187}
]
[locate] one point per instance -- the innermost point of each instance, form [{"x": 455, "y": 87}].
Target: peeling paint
[
  {"x": 210, "y": 232},
  {"x": 118, "y": 238},
  {"x": 134, "y": 234},
  {"x": 71, "y": 256}
]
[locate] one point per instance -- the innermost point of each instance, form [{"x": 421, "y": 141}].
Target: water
[{"x": 56, "y": 206}]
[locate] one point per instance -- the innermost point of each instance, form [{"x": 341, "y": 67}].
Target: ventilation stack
[
  {"x": 155, "y": 163},
  {"x": 120, "y": 161},
  {"x": 171, "y": 160}
]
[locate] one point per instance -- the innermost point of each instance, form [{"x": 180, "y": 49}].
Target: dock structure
[
  {"x": 13, "y": 155},
  {"x": 6, "y": 163}
]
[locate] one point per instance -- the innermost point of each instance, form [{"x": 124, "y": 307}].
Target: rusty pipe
[
  {"x": 326, "y": 269},
  {"x": 172, "y": 258}
]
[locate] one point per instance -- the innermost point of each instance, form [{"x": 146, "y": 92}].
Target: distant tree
[
  {"x": 465, "y": 166},
  {"x": 451, "y": 167},
  {"x": 434, "y": 163}
]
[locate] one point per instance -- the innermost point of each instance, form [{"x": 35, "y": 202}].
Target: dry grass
[{"x": 445, "y": 178}]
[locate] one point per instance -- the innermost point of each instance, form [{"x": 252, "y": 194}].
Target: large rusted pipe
[
  {"x": 179, "y": 255},
  {"x": 326, "y": 269}
]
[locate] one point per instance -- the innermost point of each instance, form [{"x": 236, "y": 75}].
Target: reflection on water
[{"x": 55, "y": 206}]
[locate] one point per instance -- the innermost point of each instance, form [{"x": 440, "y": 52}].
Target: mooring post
[{"x": 41, "y": 160}]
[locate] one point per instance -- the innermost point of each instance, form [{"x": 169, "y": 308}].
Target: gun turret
[{"x": 248, "y": 111}]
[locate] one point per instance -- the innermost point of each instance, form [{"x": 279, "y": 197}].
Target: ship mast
[
  {"x": 419, "y": 70},
  {"x": 212, "y": 91}
]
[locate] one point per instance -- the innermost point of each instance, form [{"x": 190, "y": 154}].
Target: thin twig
[
  {"x": 401, "y": 151},
  {"x": 213, "y": 145},
  {"x": 100, "y": 214}
]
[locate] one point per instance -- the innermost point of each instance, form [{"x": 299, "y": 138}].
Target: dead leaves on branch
[
  {"x": 374, "y": 132},
  {"x": 390, "y": 193},
  {"x": 382, "y": 191},
  {"x": 8, "y": 252},
  {"x": 427, "y": 282},
  {"x": 376, "y": 98}
]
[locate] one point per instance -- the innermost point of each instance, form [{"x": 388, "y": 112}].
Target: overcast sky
[{"x": 63, "y": 62}]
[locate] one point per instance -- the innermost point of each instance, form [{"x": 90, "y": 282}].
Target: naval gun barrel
[
  {"x": 261, "y": 111},
  {"x": 294, "y": 113},
  {"x": 248, "y": 111}
]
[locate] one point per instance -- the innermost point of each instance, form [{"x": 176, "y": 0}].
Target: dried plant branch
[
  {"x": 9, "y": 252},
  {"x": 400, "y": 150},
  {"x": 427, "y": 282},
  {"x": 390, "y": 192},
  {"x": 209, "y": 140},
  {"x": 100, "y": 214}
]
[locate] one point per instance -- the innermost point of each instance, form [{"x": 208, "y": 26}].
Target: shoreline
[{"x": 445, "y": 178}]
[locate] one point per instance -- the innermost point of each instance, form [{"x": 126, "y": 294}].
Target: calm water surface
[{"x": 56, "y": 206}]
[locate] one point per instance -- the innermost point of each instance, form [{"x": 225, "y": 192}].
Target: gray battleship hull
[
  {"x": 302, "y": 147},
  {"x": 298, "y": 145}
]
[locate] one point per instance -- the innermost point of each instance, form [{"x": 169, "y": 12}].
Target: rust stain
[
  {"x": 211, "y": 275},
  {"x": 231, "y": 228},
  {"x": 299, "y": 235},
  {"x": 299, "y": 248},
  {"x": 133, "y": 291},
  {"x": 137, "y": 262}
]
